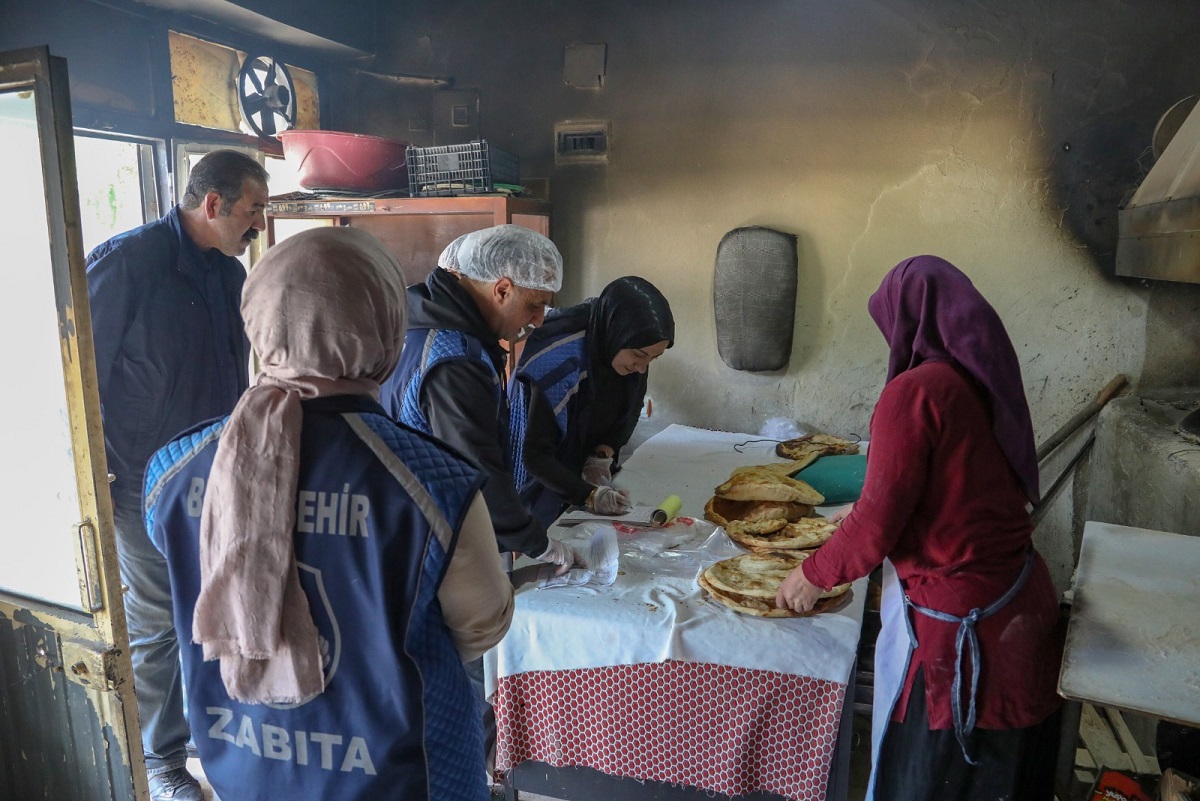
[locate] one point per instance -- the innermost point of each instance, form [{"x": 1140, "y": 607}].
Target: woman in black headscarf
[{"x": 577, "y": 394}]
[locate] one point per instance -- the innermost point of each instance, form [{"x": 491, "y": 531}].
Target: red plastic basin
[{"x": 346, "y": 162}]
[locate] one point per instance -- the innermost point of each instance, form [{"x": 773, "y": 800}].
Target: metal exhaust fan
[{"x": 266, "y": 95}]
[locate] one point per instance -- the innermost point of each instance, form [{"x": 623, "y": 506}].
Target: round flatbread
[
  {"x": 814, "y": 445},
  {"x": 722, "y": 511},
  {"x": 757, "y": 527},
  {"x": 754, "y": 575},
  {"x": 761, "y": 483},
  {"x": 767, "y": 608},
  {"x": 784, "y": 468},
  {"x": 758, "y": 575},
  {"x": 748, "y": 606},
  {"x": 803, "y": 534}
]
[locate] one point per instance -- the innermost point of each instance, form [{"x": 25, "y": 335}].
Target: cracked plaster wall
[{"x": 1001, "y": 136}]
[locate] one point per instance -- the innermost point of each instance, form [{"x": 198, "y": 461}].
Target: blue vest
[
  {"x": 378, "y": 511},
  {"x": 425, "y": 348},
  {"x": 558, "y": 369}
]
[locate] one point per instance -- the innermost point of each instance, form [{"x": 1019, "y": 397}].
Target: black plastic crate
[{"x": 473, "y": 168}]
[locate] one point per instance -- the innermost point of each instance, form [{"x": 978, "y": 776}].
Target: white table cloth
[
  {"x": 655, "y": 610},
  {"x": 649, "y": 680}
]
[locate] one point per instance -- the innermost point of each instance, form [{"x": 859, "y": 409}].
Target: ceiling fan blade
[
  {"x": 270, "y": 79},
  {"x": 268, "y": 123}
]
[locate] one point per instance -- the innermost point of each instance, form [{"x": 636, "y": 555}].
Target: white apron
[
  {"x": 892, "y": 653},
  {"x": 894, "y": 648}
]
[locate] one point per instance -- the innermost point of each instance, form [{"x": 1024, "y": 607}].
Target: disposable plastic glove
[
  {"x": 561, "y": 554},
  {"x": 611, "y": 501},
  {"x": 597, "y": 471}
]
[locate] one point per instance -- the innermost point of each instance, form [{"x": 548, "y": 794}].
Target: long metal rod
[{"x": 1048, "y": 497}]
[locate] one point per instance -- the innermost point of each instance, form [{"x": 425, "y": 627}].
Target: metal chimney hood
[{"x": 1159, "y": 229}]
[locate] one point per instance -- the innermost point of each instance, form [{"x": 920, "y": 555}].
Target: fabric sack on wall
[{"x": 754, "y": 295}]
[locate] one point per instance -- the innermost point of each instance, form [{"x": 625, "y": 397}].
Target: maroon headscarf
[{"x": 928, "y": 310}]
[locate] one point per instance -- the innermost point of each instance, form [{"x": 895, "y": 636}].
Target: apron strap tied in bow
[{"x": 966, "y": 633}]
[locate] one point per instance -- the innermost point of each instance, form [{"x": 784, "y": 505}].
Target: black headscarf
[{"x": 630, "y": 313}]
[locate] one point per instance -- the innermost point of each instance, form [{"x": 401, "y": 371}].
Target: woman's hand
[
  {"x": 840, "y": 514},
  {"x": 797, "y": 592}
]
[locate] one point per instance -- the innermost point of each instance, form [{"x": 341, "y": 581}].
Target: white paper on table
[{"x": 601, "y": 560}]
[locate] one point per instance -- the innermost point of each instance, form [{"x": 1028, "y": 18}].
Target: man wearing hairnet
[
  {"x": 450, "y": 380},
  {"x": 489, "y": 285}
]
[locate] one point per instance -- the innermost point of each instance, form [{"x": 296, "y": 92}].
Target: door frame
[{"x": 90, "y": 648}]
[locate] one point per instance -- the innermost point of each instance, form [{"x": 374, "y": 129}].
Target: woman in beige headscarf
[{"x": 338, "y": 566}]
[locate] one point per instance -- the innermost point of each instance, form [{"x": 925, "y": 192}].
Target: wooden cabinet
[{"x": 415, "y": 230}]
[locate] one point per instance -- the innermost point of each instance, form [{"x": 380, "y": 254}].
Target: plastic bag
[
  {"x": 671, "y": 550},
  {"x": 781, "y": 428},
  {"x": 597, "y": 544}
]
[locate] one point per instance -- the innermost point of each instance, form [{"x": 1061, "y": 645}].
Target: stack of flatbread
[
  {"x": 765, "y": 536},
  {"x": 768, "y": 492},
  {"x": 761, "y": 492},
  {"x": 749, "y": 584}
]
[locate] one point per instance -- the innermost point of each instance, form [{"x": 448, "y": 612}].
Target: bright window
[
  {"x": 116, "y": 187},
  {"x": 38, "y": 494}
]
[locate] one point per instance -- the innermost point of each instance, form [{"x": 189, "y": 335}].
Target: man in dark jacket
[
  {"x": 451, "y": 378},
  {"x": 170, "y": 352}
]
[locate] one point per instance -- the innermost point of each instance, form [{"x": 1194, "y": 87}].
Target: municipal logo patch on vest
[{"x": 329, "y": 634}]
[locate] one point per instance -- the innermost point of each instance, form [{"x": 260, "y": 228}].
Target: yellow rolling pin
[{"x": 667, "y": 510}]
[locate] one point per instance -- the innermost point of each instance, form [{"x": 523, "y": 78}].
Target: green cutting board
[{"x": 838, "y": 478}]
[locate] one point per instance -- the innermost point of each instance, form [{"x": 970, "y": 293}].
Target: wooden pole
[{"x": 1091, "y": 410}]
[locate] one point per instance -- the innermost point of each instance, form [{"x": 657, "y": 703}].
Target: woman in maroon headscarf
[{"x": 967, "y": 659}]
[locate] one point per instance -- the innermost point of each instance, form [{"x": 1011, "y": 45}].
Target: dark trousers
[
  {"x": 475, "y": 674},
  {"x": 916, "y": 764}
]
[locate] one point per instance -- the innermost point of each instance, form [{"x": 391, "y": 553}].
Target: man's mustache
[{"x": 251, "y": 234}]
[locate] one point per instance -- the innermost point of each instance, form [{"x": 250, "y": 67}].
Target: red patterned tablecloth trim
[{"x": 723, "y": 729}]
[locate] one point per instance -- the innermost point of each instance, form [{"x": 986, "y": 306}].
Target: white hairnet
[
  {"x": 449, "y": 258},
  {"x": 519, "y": 254}
]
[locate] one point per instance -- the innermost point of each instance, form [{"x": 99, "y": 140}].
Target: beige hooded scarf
[{"x": 325, "y": 312}]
